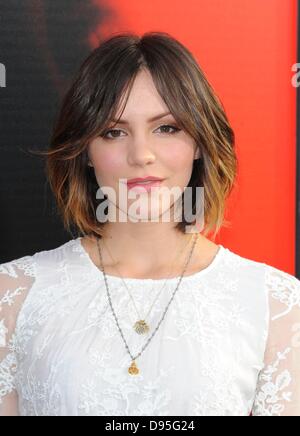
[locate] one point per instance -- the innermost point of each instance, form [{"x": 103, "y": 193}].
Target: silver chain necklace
[
  {"x": 141, "y": 326},
  {"x": 133, "y": 369}
]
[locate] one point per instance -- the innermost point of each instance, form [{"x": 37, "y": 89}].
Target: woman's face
[{"x": 139, "y": 147}]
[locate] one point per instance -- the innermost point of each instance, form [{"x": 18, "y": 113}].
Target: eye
[
  {"x": 109, "y": 131},
  {"x": 168, "y": 126},
  {"x": 115, "y": 132}
]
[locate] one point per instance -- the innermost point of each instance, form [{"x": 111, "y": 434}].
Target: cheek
[
  {"x": 180, "y": 158},
  {"x": 108, "y": 164}
]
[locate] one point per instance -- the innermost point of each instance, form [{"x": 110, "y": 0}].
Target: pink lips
[
  {"x": 138, "y": 186},
  {"x": 143, "y": 179}
]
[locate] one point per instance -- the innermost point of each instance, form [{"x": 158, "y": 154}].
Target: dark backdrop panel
[{"x": 42, "y": 44}]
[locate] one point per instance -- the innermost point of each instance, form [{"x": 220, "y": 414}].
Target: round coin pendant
[
  {"x": 133, "y": 369},
  {"x": 141, "y": 327}
]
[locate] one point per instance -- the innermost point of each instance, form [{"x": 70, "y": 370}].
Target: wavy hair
[{"x": 92, "y": 99}]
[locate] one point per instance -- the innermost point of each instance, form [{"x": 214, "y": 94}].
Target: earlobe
[
  {"x": 197, "y": 154},
  {"x": 89, "y": 163}
]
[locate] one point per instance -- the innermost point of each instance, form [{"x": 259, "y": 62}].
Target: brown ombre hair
[{"x": 104, "y": 78}]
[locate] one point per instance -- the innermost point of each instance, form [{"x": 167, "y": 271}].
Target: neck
[{"x": 150, "y": 253}]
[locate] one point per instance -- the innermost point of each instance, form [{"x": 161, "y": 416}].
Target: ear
[
  {"x": 89, "y": 160},
  {"x": 197, "y": 153},
  {"x": 89, "y": 163}
]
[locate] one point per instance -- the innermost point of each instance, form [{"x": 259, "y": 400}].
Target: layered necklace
[{"x": 140, "y": 326}]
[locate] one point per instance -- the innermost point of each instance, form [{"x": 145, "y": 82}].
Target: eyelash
[{"x": 176, "y": 130}]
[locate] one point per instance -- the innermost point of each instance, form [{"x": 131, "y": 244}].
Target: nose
[{"x": 139, "y": 152}]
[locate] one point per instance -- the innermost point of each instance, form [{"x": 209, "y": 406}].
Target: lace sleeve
[
  {"x": 278, "y": 387},
  {"x": 16, "y": 278}
]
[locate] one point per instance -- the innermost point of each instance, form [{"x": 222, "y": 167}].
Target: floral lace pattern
[
  {"x": 13, "y": 275},
  {"x": 278, "y": 390},
  {"x": 272, "y": 393},
  {"x": 229, "y": 344}
]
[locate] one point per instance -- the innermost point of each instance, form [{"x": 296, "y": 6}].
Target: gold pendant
[
  {"x": 141, "y": 327},
  {"x": 133, "y": 369}
]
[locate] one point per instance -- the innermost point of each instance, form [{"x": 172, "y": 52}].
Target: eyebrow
[{"x": 150, "y": 120}]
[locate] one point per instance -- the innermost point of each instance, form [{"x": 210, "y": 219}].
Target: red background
[{"x": 247, "y": 49}]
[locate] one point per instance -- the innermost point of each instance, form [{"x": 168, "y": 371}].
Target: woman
[{"x": 144, "y": 316}]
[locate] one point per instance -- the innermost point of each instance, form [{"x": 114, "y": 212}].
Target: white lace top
[{"x": 229, "y": 344}]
